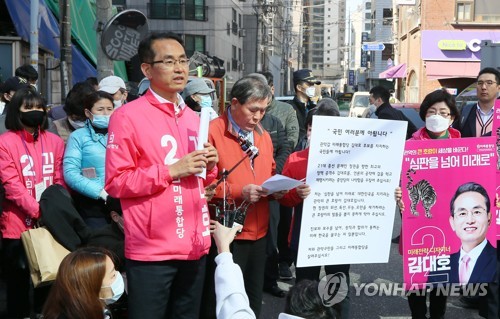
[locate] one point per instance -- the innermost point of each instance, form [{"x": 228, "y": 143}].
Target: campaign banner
[
  {"x": 449, "y": 205},
  {"x": 496, "y": 129},
  {"x": 353, "y": 168}
]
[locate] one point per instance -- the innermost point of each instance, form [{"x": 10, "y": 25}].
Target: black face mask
[{"x": 32, "y": 119}]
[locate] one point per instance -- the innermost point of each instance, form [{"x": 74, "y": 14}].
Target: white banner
[
  {"x": 353, "y": 169},
  {"x": 405, "y": 2}
]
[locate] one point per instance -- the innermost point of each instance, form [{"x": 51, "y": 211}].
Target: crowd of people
[{"x": 151, "y": 223}]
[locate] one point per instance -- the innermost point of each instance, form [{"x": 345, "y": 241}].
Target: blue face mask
[
  {"x": 100, "y": 121},
  {"x": 205, "y": 101}
]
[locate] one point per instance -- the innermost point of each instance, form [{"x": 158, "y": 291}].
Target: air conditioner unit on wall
[{"x": 243, "y": 33}]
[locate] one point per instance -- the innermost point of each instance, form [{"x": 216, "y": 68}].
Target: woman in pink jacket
[{"x": 30, "y": 161}]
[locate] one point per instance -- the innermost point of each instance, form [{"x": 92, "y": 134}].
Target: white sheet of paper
[
  {"x": 279, "y": 183},
  {"x": 353, "y": 169},
  {"x": 203, "y": 134}
]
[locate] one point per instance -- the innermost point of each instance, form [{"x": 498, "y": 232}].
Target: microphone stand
[{"x": 250, "y": 152}]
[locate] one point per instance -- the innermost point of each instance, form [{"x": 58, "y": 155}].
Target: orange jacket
[{"x": 223, "y": 137}]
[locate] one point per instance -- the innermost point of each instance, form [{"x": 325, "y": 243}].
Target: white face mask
[
  {"x": 117, "y": 103},
  {"x": 76, "y": 124},
  {"x": 311, "y": 91},
  {"x": 437, "y": 123},
  {"x": 117, "y": 288}
]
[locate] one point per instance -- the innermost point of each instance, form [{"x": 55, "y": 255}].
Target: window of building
[
  {"x": 465, "y": 10},
  {"x": 194, "y": 43},
  {"x": 368, "y": 5},
  {"x": 413, "y": 88},
  {"x": 234, "y": 59},
  {"x": 165, "y": 9},
  {"x": 387, "y": 16},
  {"x": 195, "y": 10},
  {"x": 387, "y": 53},
  {"x": 486, "y": 11},
  {"x": 239, "y": 54},
  {"x": 368, "y": 15}
]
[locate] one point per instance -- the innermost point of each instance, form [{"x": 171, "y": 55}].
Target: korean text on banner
[
  {"x": 353, "y": 168},
  {"x": 449, "y": 199}
]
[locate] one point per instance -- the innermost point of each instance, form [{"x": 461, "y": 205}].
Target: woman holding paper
[
  {"x": 296, "y": 167},
  {"x": 438, "y": 110},
  {"x": 30, "y": 161},
  {"x": 84, "y": 159}
]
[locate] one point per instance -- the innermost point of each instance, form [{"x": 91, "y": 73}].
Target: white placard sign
[{"x": 353, "y": 169}]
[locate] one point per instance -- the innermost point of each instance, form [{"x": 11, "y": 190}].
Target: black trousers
[
  {"x": 285, "y": 254},
  {"x": 251, "y": 257},
  {"x": 18, "y": 283},
  {"x": 271, "y": 273},
  {"x": 165, "y": 289},
  {"x": 418, "y": 306}
]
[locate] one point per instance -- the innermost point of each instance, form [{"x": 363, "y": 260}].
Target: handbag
[{"x": 44, "y": 255}]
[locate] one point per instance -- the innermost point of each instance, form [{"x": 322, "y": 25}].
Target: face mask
[
  {"x": 311, "y": 91},
  {"x": 206, "y": 101},
  {"x": 76, "y": 124},
  {"x": 117, "y": 288},
  {"x": 117, "y": 103},
  {"x": 32, "y": 118},
  {"x": 437, "y": 123},
  {"x": 101, "y": 121}
]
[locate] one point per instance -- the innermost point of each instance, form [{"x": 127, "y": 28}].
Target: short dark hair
[
  {"x": 326, "y": 107},
  {"x": 92, "y": 98},
  {"x": 27, "y": 72},
  {"x": 146, "y": 53},
  {"x": 269, "y": 77},
  {"x": 437, "y": 96},
  {"x": 303, "y": 300},
  {"x": 250, "y": 88},
  {"x": 26, "y": 96},
  {"x": 380, "y": 92},
  {"x": 470, "y": 187},
  {"x": 74, "y": 100},
  {"x": 92, "y": 80},
  {"x": 489, "y": 70}
]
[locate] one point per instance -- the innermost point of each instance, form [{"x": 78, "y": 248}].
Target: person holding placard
[
  {"x": 296, "y": 167},
  {"x": 438, "y": 110}
]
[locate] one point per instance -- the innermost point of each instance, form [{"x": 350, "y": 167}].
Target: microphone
[{"x": 247, "y": 147}]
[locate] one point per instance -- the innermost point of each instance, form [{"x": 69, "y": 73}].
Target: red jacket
[
  {"x": 23, "y": 164},
  {"x": 224, "y": 138},
  {"x": 422, "y": 134},
  {"x": 165, "y": 219}
]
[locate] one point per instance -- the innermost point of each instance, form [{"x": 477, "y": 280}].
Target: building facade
[{"x": 439, "y": 41}]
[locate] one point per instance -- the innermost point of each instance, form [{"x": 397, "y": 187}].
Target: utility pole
[
  {"x": 34, "y": 17},
  {"x": 105, "y": 66},
  {"x": 66, "y": 61}
]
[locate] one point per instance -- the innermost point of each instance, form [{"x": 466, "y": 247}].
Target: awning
[
  {"x": 437, "y": 70},
  {"x": 395, "y": 72}
]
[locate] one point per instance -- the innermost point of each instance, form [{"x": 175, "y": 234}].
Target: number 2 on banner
[{"x": 169, "y": 141}]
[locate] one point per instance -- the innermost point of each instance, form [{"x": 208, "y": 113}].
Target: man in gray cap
[
  {"x": 303, "y": 82},
  {"x": 198, "y": 95}
]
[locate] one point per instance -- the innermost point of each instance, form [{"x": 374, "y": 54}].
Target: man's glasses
[
  {"x": 487, "y": 83},
  {"x": 168, "y": 64}
]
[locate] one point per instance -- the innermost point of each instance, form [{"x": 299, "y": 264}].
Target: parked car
[
  {"x": 468, "y": 95},
  {"x": 359, "y": 104},
  {"x": 410, "y": 110}
]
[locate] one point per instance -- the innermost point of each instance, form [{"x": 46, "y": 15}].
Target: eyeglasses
[
  {"x": 431, "y": 112},
  {"x": 168, "y": 64},
  {"x": 488, "y": 83},
  {"x": 463, "y": 214}
]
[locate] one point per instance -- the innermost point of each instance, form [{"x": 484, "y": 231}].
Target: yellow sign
[{"x": 452, "y": 45}]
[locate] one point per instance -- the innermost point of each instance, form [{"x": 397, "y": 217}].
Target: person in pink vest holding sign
[{"x": 438, "y": 110}]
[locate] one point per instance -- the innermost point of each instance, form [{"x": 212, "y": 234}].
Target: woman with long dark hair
[
  {"x": 86, "y": 282},
  {"x": 30, "y": 161}
]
